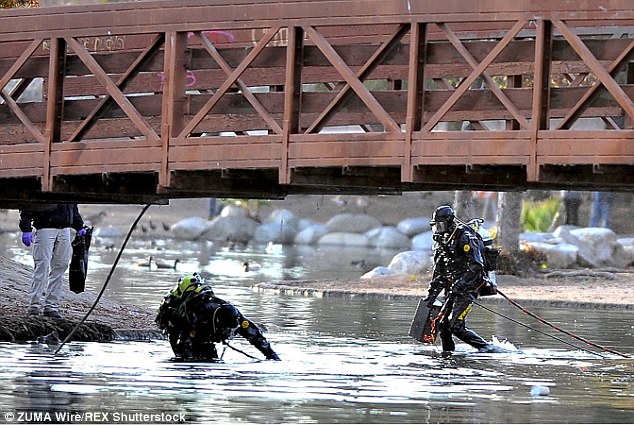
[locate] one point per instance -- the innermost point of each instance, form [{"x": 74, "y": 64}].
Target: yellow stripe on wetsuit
[{"x": 465, "y": 312}]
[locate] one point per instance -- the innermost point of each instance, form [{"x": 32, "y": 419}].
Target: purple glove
[
  {"x": 27, "y": 238},
  {"x": 81, "y": 232}
]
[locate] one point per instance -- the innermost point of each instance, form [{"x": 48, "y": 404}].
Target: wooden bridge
[{"x": 134, "y": 102}]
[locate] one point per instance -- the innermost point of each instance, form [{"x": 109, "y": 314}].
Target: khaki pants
[{"x": 51, "y": 254}]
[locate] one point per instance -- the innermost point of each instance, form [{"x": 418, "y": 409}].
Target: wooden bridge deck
[{"x": 132, "y": 102}]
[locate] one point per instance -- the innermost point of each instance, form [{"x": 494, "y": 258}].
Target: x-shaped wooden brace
[
  {"x": 604, "y": 76},
  {"x": 121, "y": 84},
  {"x": 112, "y": 89},
  {"x": 371, "y": 64},
  {"x": 478, "y": 70},
  {"x": 233, "y": 77},
  {"x": 9, "y": 98},
  {"x": 211, "y": 49},
  {"x": 353, "y": 80}
]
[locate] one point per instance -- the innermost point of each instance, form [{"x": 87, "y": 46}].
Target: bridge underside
[{"x": 147, "y": 101}]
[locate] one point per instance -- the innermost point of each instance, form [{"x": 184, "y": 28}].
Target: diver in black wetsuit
[
  {"x": 194, "y": 320},
  {"x": 459, "y": 271}
]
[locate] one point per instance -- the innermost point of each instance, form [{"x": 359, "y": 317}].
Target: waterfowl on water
[
  {"x": 250, "y": 266},
  {"x": 163, "y": 265},
  {"x": 145, "y": 263}
]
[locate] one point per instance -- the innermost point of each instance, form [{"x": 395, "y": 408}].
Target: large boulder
[
  {"x": 423, "y": 241},
  {"x": 585, "y": 253},
  {"x": 558, "y": 256},
  {"x": 234, "y": 211},
  {"x": 190, "y": 228},
  {"x": 232, "y": 227},
  {"x": 410, "y": 262},
  {"x": 310, "y": 235},
  {"x": 352, "y": 223},
  {"x": 387, "y": 237},
  {"x": 344, "y": 239},
  {"x": 305, "y": 223},
  {"x": 276, "y": 233},
  {"x": 605, "y": 248},
  {"x": 628, "y": 249},
  {"x": 280, "y": 227},
  {"x": 530, "y": 237},
  {"x": 378, "y": 272},
  {"x": 413, "y": 226},
  {"x": 283, "y": 218}
]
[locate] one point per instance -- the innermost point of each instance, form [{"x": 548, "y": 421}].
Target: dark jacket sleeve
[
  {"x": 78, "y": 222},
  {"x": 26, "y": 220}
]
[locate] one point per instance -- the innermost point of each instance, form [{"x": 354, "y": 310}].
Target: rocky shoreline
[{"x": 107, "y": 322}]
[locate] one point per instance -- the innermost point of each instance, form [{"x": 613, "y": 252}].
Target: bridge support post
[
  {"x": 54, "y": 106},
  {"x": 173, "y": 107},
  {"x": 292, "y": 96},
  {"x": 415, "y": 94},
  {"x": 541, "y": 94}
]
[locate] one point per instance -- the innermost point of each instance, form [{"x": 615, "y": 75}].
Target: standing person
[
  {"x": 459, "y": 271},
  {"x": 194, "y": 320},
  {"x": 52, "y": 252},
  {"x": 572, "y": 202},
  {"x": 601, "y": 208}
]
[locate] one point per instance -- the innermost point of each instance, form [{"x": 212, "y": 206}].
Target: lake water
[{"x": 344, "y": 360}]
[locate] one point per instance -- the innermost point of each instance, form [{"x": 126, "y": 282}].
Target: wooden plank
[{"x": 171, "y": 16}]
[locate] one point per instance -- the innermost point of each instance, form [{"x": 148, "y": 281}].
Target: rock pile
[{"x": 566, "y": 247}]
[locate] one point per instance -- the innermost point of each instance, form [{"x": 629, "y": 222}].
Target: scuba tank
[{"x": 490, "y": 255}]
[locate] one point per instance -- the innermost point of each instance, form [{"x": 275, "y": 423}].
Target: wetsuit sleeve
[{"x": 251, "y": 333}]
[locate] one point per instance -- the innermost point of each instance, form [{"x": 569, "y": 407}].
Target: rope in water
[
  {"x": 557, "y": 328},
  {"x": 538, "y": 331},
  {"x": 103, "y": 289}
]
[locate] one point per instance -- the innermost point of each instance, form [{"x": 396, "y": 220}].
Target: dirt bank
[{"x": 108, "y": 321}]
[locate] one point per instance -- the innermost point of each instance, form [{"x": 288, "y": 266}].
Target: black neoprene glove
[{"x": 273, "y": 356}]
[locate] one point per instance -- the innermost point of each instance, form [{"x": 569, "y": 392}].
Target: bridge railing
[{"x": 178, "y": 98}]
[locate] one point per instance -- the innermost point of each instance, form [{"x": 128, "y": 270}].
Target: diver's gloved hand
[
  {"x": 272, "y": 356},
  {"x": 430, "y": 298},
  {"x": 81, "y": 232},
  {"x": 27, "y": 238},
  {"x": 435, "y": 287}
]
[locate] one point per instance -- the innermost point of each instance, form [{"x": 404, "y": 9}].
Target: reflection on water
[{"x": 344, "y": 360}]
